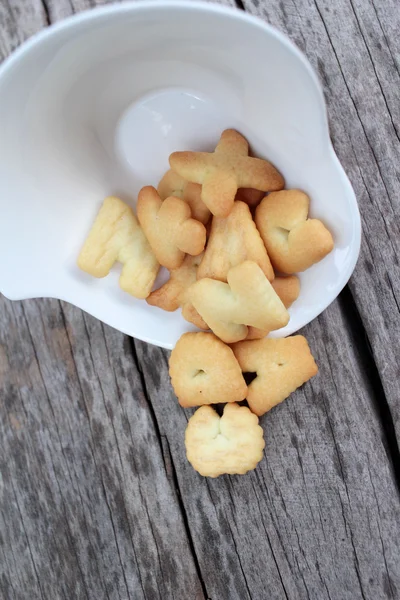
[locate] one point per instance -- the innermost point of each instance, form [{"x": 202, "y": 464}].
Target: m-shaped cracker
[
  {"x": 231, "y": 444},
  {"x": 204, "y": 370},
  {"x": 174, "y": 293},
  {"x": 233, "y": 240},
  {"x": 247, "y": 299},
  {"x": 281, "y": 365},
  {"x": 173, "y": 184},
  {"x": 169, "y": 227},
  {"x": 222, "y": 172},
  {"x": 116, "y": 236},
  {"x": 288, "y": 290},
  {"x": 293, "y": 241}
]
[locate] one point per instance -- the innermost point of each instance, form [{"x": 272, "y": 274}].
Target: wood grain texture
[{"x": 97, "y": 499}]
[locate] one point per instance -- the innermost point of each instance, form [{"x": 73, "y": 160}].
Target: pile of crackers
[{"x": 233, "y": 240}]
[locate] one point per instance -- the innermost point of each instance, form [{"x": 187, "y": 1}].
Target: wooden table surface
[{"x": 97, "y": 499}]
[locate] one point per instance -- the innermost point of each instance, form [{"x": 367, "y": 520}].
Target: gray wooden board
[{"x": 97, "y": 499}]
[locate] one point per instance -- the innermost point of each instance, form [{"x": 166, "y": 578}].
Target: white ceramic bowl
[{"x": 94, "y": 105}]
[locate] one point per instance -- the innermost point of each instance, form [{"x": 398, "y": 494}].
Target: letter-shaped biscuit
[
  {"x": 203, "y": 370},
  {"x": 173, "y": 184},
  {"x": 230, "y": 444},
  {"x": 282, "y": 365},
  {"x": 288, "y": 290},
  {"x": 247, "y": 299},
  {"x": 169, "y": 227},
  {"x": 222, "y": 172},
  {"x": 233, "y": 240},
  {"x": 174, "y": 293},
  {"x": 293, "y": 241},
  {"x": 116, "y": 236}
]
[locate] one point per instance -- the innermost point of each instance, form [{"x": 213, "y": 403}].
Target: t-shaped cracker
[
  {"x": 169, "y": 227},
  {"x": 247, "y": 299},
  {"x": 282, "y": 365},
  {"x": 293, "y": 241},
  {"x": 233, "y": 240},
  {"x": 173, "y": 184},
  {"x": 116, "y": 236},
  {"x": 204, "y": 370},
  {"x": 231, "y": 444},
  {"x": 222, "y": 172},
  {"x": 174, "y": 293}
]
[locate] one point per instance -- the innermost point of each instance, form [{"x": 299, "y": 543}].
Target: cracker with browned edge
[
  {"x": 247, "y": 299},
  {"x": 204, "y": 370},
  {"x": 222, "y": 172},
  {"x": 293, "y": 241},
  {"x": 174, "y": 293},
  {"x": 173, "y": 184},
  {"x": 233, "y": 240},
  {"x": 282, "y": 365},
  {"x": 169, "y": 227},
  {"x": 288, "y": 290},
  {"x": 116, "y": 236},
  {"x": 231, "y": 444}
]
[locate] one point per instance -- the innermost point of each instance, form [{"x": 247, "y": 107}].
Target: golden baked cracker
[
  {"x": 222, "y": 172},
  {"x": 169, "y": 227},
  {"x": 288, "y": 290},
  {"x": 116, "y": 236},
  {"x": 233, "y": 240},
  {"x": 251, "y": 197},
  {"x": 282, "y": 365},
  {"x": 173, "y": 184},
  {"x": 174, "y": 293},
  {"x": 293, "y": 241},
  {"x": 247, "y": 299},
  {"x": 231, "y": 444},
  {"x": 204, "y": 370}
]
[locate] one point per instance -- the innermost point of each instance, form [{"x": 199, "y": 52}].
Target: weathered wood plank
[{"x": 88, "y": 508}]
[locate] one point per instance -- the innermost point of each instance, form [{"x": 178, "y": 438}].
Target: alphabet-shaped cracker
[
  {"x": 204, "y": 370},
  {"x": 222, "y": 172},
  {"x": 233, "y": 240},
  {"x": 116, "y": 236},
  {"x": 293, "y": 241},
  {"x": 173, "y": 184},
  {"x": 174, "y": 293},
  {"x": 282, "y": 365},
  {"x": 230, "y": 444},
  {"x": 169, "y": 227},
  {"x": 247, "y": 299}
]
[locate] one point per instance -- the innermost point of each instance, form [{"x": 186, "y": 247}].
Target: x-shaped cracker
[
  {"x": 294, "y": 242},
  {"x": 116, "y": 236},
  {"x": 247, "y": 299},
  {"x": 282, "y": 365},
  {"x": 169, "y": 227},
  {"x": 225, "y": 170}
]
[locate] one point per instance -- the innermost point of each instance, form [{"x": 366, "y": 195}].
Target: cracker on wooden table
[
  {"x": 281, "y": 365},
  {"x": 116, "y": 236},
  {"x": 204, "y": 370},
  {"x": 231, "y": 444}
]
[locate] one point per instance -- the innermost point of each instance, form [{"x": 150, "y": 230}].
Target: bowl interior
[{"x": 95, "y": 105}]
